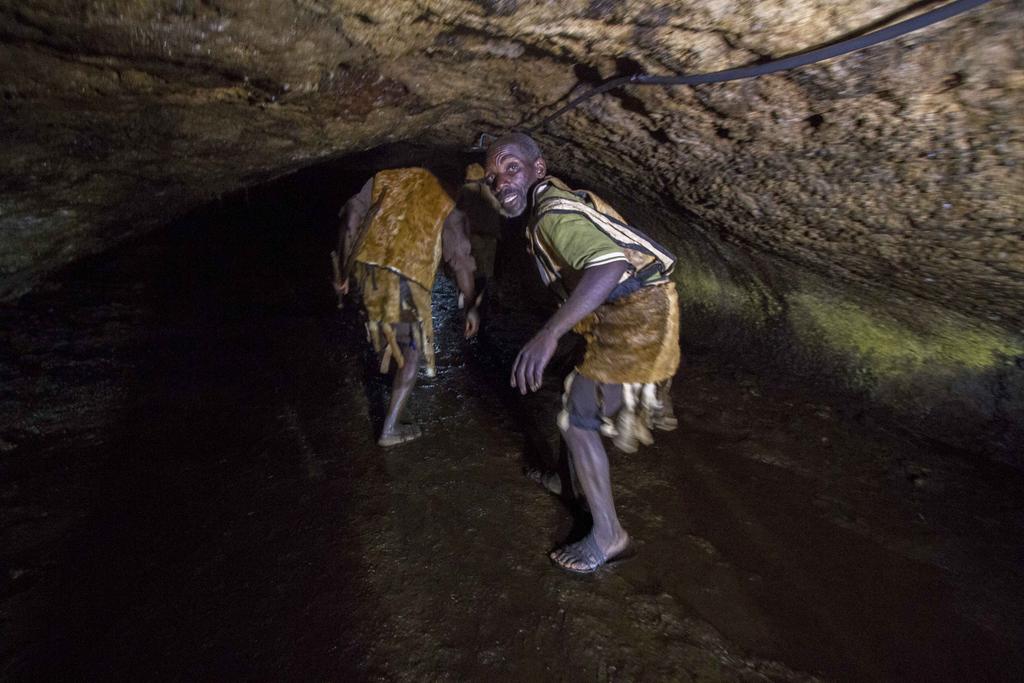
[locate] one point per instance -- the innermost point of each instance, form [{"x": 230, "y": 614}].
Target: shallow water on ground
[{"x": 190, "y": 488}]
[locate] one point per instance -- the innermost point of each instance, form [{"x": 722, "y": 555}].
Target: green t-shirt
[{"x": 574, "y": 241}]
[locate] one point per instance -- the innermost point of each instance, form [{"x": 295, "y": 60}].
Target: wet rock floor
[{"x": 190, "y": 489}]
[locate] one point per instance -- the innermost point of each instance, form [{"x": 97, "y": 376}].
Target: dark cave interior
[
  {"x": 191, "y": 485},
  {"x": 191, "y": 490}
]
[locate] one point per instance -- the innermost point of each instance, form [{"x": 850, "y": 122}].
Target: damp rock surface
[
  {"x": 898, "y": 166},
  {"x": 858, "y": 219},
  {"x": 190, "y": 488}
]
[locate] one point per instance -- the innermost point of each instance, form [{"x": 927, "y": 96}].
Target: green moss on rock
[{"x": 893, "y": 349}]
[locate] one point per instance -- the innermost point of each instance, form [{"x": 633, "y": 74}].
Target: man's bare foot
[
  {"x": 587, "y": 556},
  {"x": 400, "y": 434}
]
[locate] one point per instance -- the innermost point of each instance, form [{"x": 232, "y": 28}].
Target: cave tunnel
[{"x": 190, "y": 481}]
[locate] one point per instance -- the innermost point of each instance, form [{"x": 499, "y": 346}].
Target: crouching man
[
  {"x": 616, "y": 291},
  {"x": 395, "y": 232}
]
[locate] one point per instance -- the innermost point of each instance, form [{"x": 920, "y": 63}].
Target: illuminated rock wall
[{"x": 860, "y": 217}]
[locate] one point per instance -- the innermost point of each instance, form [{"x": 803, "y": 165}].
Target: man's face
[{"x": 510, "y": 176}]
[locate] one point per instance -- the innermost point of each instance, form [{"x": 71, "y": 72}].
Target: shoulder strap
[{"x": 617, "y": 229}]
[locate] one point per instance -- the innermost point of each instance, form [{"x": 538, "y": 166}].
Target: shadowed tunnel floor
[{"x": 191, "y": 489}]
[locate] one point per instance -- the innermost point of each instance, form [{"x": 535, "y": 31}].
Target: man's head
[
  {"x": 514, "y": 164},
  {"x": 474, "y": 174}
]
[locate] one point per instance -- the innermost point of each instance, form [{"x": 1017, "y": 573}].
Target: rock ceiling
[{"x": 897, "y": 168}]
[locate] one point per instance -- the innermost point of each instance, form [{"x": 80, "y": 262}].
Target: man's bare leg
[
  {"x": 610, "y": 538},
  {"x": 401, "y": 387}
]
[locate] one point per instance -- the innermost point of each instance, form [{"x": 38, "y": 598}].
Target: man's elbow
[{"x": 613, "y": 270}]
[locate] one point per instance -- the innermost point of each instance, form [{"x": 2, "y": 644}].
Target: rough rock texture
[{"x": 861, "y": 216}]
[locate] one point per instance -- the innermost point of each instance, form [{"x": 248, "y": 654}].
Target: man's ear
[{"x": 540, "y": 166}]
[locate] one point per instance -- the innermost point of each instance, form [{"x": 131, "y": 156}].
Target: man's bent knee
[
  {"x": 587, "y": 403},
  {"x": 411, "y": 366}
]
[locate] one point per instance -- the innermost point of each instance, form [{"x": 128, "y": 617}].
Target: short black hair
[{"x": 524, "y": 142}]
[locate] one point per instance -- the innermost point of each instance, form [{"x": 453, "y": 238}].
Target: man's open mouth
[{"x": 508, "y": 197}]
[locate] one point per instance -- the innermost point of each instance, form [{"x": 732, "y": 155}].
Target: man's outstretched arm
[
  {"x": 352, "y": 214},
  {"x": 592, "y": 291},
  {"x": 457, "y": 252},
  {"x": 467, "y": 285}
]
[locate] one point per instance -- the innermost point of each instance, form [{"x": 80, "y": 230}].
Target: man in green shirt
[{"x": 614, "y": 280}]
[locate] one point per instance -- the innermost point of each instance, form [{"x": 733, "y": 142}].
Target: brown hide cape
[
  {"x": 402, "y": 239},
  {"x": 633, "y": 340}
]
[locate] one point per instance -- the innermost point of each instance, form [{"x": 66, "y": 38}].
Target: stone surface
[
  {"x": 866, "y": 210},
  {"x": 190, "y": 489}
]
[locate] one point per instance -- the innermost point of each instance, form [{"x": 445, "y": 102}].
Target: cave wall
[
  {"x": 950, "y": 377},
  {"x": 860, "y": 216}
]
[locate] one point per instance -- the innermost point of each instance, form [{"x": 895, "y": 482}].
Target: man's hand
[
  {"x": 340, "y": 284},
  {"x": 341, "y": 289},
  {"x": 593, "y": 289},
  {"x": 472, "y": 322},
  {"x": 528, "y": 370}
]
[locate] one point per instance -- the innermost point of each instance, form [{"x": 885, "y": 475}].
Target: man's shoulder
[
  {"x": 550, "y": 199},
  {"x": 557, "y": 197},
  {"x": 552, "y": 188},
  {"x": 403, "y": 171},
  {"x": 408, "y": 177},
  {"x": 562, "y": 219}
]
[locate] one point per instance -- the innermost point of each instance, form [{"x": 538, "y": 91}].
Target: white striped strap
[{"x": 620, "y": 233}]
